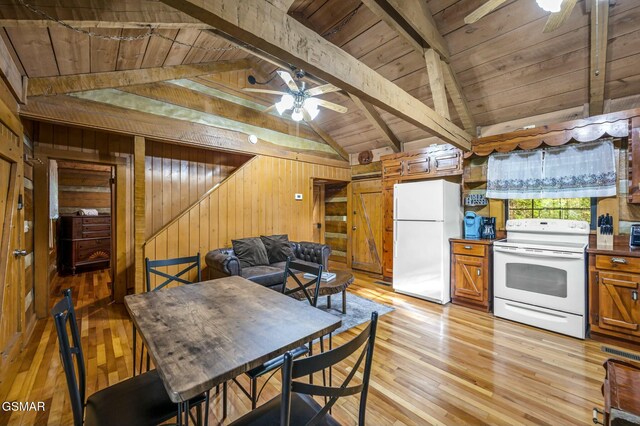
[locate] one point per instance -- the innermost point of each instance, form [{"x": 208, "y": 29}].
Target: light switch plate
[{"x": 298, "y": 196}]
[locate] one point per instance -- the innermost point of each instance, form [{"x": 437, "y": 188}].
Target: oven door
[{"x": 550, "y": 279}]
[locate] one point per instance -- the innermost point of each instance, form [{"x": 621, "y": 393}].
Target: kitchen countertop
[
  {"x": 473, "y": 240},
  {"x": 619, "y": 249}
]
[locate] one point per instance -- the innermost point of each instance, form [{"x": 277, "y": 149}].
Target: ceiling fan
[
  {"x": 300, "y": 100},
  {"x": 560, "y": 12}
]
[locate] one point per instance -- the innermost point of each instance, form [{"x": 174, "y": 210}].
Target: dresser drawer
[
  {"x": 96, "y": 220},
  {"x": 101, "y": 243},
  {"x": 469, "y": 249},
  {"x": 93, "y": 254},
  {"x": 618, "y": 263}
]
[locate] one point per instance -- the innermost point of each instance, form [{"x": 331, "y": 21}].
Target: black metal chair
[
  {"x": 292, "y": 268},
  {"x": 141, "y": 400},
  {"x": 296, "y": 405}
]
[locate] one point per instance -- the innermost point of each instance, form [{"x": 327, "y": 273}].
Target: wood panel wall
[
  {"x": 28, "y": 233},
  {"x": 177, "y": 176},
  {"x": 83, "y": 186},
  {"x": 258, "y": 199},
  {"x": 335, "y": 220}
]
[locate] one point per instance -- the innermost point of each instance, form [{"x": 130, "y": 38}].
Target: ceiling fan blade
[
  {"x": 331, "y": 105},
  {"x": 321, "y": 90},
  {"x": 268, "y": 109},
  {"x": 306, "y": 116},
  {"x": 289, "y": 81},
  {"x": 271, "y": 92},
  {"x": 557, "y": 19},
  {"x": 483, "y": 10}
]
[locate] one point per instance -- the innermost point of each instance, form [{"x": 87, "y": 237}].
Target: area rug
[{"x": 359, "y": 310}]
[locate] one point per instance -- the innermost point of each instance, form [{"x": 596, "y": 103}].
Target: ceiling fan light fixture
[
  {"x": 552, "y": 6},
  {"x": 311, "y": 106},
  {"x": 296, "y": 115},
  {"x": 285, "y": 103}
]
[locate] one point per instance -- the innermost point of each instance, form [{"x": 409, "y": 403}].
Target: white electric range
[{"x": 540, "y": 274}]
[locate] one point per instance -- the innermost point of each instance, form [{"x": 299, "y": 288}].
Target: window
[{"x": 553, "y": 208}]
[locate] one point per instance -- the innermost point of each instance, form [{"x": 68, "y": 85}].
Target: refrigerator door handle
[
  {"x": 395, "y": 207},
  {"x": 395, "y": 238}
]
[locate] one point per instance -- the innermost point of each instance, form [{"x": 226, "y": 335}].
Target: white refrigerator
[{"x": 425, "y": 215}]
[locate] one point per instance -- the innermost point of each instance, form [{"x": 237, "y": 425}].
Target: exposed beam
[
  {"x": 140, "y": 24},
  {"x": 458, "y": 99},
  {"x": 598, "y": 56},
  {"x": 436, "y": 82},
  {"x": 11, "y": 75},
  {"x": 417, "y": 14},
  {"x": 329, "y": 140},
  {"x": 267, "y": 28},
  {"x": 283, "y": 5},
  {"x": 394, "y": 24},
  {"x": 488, "y": 7},
  {"x": 103, "y": 80},
  {"x": 376, "y": 121}
]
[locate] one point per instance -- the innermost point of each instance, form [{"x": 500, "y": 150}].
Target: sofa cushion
[
  {"x": 250, "y": 252},
  {"x": 278, "y": 247},
  {"x": 265, "y": 275}
]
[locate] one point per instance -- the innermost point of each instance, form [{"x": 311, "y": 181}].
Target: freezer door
[
  {"x": 419, "y": 200},
  {"x": 420, "y": 263}
]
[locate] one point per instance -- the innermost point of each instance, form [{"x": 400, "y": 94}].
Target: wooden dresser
[
  {"x": 472, "y": 273},
  {"x": 85, "y": 241},
  {"x": 614, "y": 284}
]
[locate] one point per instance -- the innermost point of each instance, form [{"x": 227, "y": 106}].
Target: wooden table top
[
  {"x": 203, "y": 334},
  {"x": 342, "y": 280}
]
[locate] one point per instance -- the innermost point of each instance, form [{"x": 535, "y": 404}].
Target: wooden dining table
[{"x": 204, "y": 334}]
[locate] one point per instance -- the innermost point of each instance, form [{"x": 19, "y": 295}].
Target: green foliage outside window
[{"x": 551, "y": 208}]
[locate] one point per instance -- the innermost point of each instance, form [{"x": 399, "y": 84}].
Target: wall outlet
[{"x": 297, "y": 196}]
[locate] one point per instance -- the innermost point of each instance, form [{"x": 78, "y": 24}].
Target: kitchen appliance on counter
[
  {"x": 472, "y": 225},
  {"x": 488, "y": 231},
  {"x": 634, "y": 235},
  {"x": 540, "y": 274},
  {"x": 425, "y": 215}
]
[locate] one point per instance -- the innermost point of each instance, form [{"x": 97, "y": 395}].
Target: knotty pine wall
[
  {"x": 177, "y": 176},
  {"x": 258, "y": 199}
]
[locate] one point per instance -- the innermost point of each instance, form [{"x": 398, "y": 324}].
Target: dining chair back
[
  {"x": 65, "y": 317},
  {"x": 310, "y": 289},
  {"x": 295, "y": 369},
  {"x": 151, "y": 267}
]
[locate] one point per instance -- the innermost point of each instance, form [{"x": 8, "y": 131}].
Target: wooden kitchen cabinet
[
  {"x": 471, "y": 273},
  {"x": 614, "y": 287}
]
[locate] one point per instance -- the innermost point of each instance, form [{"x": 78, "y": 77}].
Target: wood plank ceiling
[{"x": 507, "y": 67}]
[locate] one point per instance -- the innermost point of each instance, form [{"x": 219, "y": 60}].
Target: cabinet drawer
[
  {"x": 448, "y": 162},
  {"x": 618, "y": 263},
  {"x": 102, "y": 243},
  {"x": 417, "y": 166},
  {"x": 91, "y": 255},
  {"x": 469, "y": 249},
  {"x": 96, "y": 220},
  {"x": 96, "y": 234}
]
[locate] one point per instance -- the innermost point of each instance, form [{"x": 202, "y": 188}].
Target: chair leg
[
  {"x": 206, "y": 409},
  {"x": 133, "y": 328},
  {"x": 224, "y": 400},
  {"x": 199, "y": 414},
  {"x": 187, "y": 411},
  {"x": 324, "y": 373},
  {"x": 179, "y": 414},
  {"x": 311, "y": 354},
  {"x": 148, "y": 361},
  {"x": 254, "y": 393}
]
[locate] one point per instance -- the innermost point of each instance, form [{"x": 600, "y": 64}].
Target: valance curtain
[{"x": 570, "y": 171}]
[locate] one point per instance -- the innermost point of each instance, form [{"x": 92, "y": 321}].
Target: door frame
[
  {"x": 318, "y": 188},
  {"x": 41, "y": 217}
]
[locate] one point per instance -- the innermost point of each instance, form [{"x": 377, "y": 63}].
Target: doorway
[{"x": 83, "y": 229}]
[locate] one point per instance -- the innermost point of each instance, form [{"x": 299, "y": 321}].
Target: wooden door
[
  {"x": 318, "y": 213},
  {"x": 367, "y": 226},
  {"x": 11, "y": 242},
  {"x": 618, "y": 302},
  {"x": 468, "y": 277}
]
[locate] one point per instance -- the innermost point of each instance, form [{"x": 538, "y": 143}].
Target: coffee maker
[
  {"x": 472, "y": 225},
  {"x": 488, "y": 230}
]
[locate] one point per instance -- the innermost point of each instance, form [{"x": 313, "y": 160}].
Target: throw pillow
[
  {"x": 250, "y": 252},
  {"x": 278, "y": 247}
]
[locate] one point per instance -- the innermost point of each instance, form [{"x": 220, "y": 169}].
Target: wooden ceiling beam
[
  {"x": 264, "y": 26},
  {"x": 283, "y": 5},
  {"x": 397, "y": 22},
  {"x": 436, "y": 82},
  {"x": 598, "y": 55},
  {"x": 80, "y": 82},
  {"x": 376, "y": 121},
  {"x": 10, "y": 73},
  {"x": 92, "y": 24}
]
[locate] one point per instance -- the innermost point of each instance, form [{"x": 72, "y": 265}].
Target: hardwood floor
[{"x": 433, "y": 365}]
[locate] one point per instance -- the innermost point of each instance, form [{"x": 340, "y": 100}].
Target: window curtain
[
  {"x": 570, "y": 171},
  {"x": 53, "y": 189}
]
